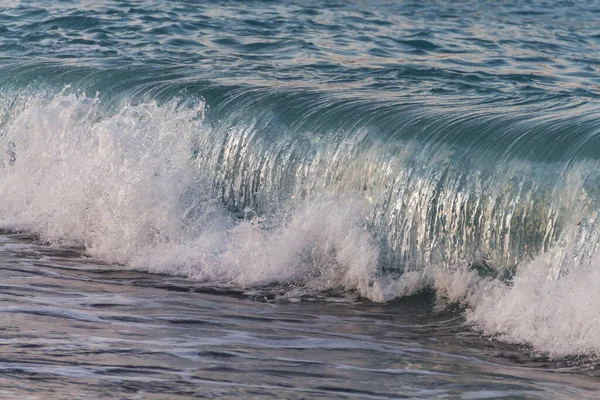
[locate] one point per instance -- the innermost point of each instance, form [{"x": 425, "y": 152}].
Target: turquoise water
[{"x": 327, "y": 157}]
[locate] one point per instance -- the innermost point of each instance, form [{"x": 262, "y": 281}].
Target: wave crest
[{"x": 155, "y": 187}]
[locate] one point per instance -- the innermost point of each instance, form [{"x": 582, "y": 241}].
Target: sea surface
[{"x": 299, "y": 199}]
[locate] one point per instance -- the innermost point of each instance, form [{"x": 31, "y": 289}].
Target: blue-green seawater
[{"x": 335, "y": 199}]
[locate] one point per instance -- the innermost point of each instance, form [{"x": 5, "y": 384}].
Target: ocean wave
[{"x": 249, "y": 200}]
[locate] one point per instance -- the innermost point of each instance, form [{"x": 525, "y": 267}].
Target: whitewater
[{"x": 299, "y": 200}]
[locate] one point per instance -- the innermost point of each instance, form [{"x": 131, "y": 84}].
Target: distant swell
[{"x": 343, "y": 197}]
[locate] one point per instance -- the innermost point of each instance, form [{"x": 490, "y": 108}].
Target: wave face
[{"x": 338, "y": 149}]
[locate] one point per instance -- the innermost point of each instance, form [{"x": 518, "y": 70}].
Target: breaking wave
[{"x": 250, "y": 199}]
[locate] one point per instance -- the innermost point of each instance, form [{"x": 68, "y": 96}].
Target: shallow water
[{"x": 74, "y": 327}]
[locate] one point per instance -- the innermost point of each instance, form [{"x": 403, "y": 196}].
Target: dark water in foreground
[{"x": 74, "y": 328}]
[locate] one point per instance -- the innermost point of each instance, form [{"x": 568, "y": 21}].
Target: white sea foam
[
  {"x": 552, "y": 303},
  {"x": 126, "y": 185}
]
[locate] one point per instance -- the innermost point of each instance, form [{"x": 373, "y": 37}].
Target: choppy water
[{"x": 295, "y": 165}]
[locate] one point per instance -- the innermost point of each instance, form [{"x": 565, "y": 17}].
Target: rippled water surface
[
  {"x": 383, "y": 50},
  {"x": 362, "y": 199},
  {"x": 73, "y": 327}
]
